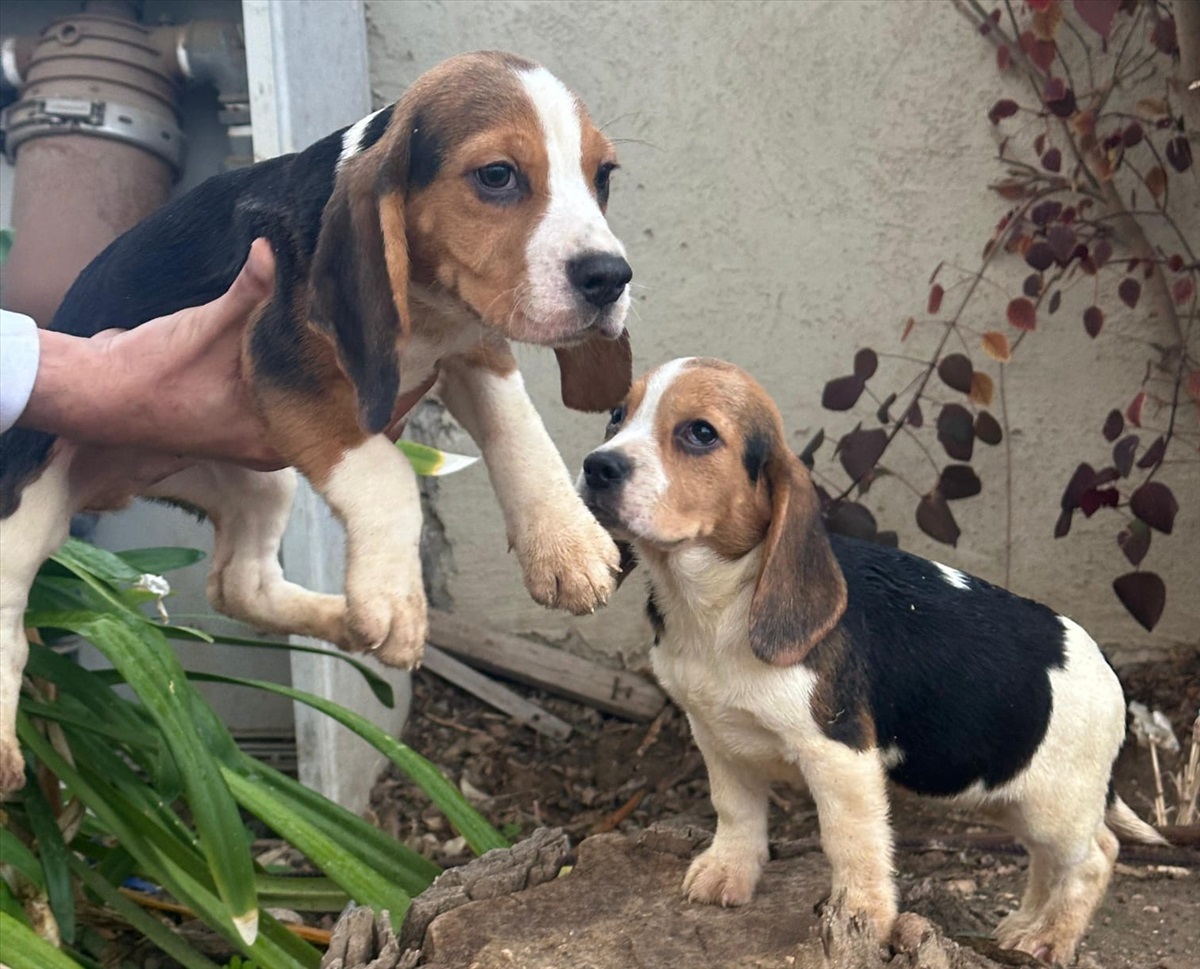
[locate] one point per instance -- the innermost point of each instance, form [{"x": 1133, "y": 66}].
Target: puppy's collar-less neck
[{"x": 696, "y": 586}]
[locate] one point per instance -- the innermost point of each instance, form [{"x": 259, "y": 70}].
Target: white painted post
[{"x": 307, "y": 63}]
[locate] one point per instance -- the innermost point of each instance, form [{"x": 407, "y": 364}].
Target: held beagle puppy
[
  {"x": 411, "y": 246},
  {"x": 800, "y": 654}
]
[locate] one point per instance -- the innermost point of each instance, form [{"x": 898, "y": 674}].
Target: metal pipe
[{"x": 95, "y": 135}]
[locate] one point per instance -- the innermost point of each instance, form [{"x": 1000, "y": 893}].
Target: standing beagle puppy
[
  {"x": 411, "y": 247},
  {"x": 802, "y": 655}
]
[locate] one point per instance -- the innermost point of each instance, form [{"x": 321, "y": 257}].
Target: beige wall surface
[{"x": 793, "y": 173}]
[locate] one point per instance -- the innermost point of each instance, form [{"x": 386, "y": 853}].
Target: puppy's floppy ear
[
  {"x": 359, "y": 286},
  {"x": 801, "y": 592},
  {"x": 597, "y": 373}
]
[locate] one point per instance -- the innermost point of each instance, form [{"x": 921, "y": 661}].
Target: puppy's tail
[{"x": 1121, "y": 818}]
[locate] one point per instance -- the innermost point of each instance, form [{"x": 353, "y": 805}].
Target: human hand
[{"x": 173, "y": 385}]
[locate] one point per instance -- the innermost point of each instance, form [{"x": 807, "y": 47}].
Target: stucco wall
[{"x": 794, "y": 172}]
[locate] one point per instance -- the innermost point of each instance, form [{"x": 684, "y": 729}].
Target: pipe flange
[{"x": 40, "y": 117}]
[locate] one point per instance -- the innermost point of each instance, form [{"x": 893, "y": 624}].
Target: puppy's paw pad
[
  {"x": 721, "y": 880},
  {"x": 570, "y": 565}
]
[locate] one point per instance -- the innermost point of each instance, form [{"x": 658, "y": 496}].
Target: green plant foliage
[{"x": 155, "y": 787}]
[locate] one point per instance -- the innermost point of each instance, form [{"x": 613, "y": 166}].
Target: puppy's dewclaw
[{"x": 844, "y": 665}]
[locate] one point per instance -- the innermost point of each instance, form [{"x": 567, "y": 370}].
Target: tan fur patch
[{"x": 710, "y": 494}]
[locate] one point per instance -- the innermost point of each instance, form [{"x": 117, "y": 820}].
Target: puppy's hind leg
[
  {"x": 249, "y": 511},
  {"x": 32, "y": 532},
  {"x": 1071, "y": 858}
]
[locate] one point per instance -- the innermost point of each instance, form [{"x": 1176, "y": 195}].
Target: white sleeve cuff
[{"x": 19, "y": 348}]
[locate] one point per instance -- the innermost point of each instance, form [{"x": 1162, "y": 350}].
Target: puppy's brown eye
[
  {"x": 699, "y": 436},
  {"x": 616, "y": 418},
  {"x": 497, "y": 181},
  {"x": 601, "y": 182}
]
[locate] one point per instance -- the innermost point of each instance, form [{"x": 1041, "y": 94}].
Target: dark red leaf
[
  {"x": 1132, "y": 135},
  {"x": 1032, "y": 285},
  {"x": 882, "y": 414},
  {"x": 1105, "y": 476},
  {"x": 860, "y": 450},
  {"x": 935, "y": 299},
  {"x": 1134, "y": 540},
  {"x": 1179, "y": 153},
  {"x": 1055, "y": 301},
  {"x": 1045, "y": 212},
  {"x": 935, "y": 519},
  {"x": 1114, "y": 424},
  {"x": 1143, "y": 594},
  {"x": 1052, "y": 160},
  {"x": 1081, "y": 480},
  {"x": 1133, "y": 413},
  {"x": 1003, "y": 57},
  {"x": 1004, "y": 108},
  {"x": 1041, "y": 52},
  {"x": 1102, "y": 252},
  {"x": 1183, "y": 289},
  {"x": 842, "y": 393},
  {"x": 1063, "y": 526},
  {"x": 987, "y": 428},
  {"x": 810, "y": 449},
  {"x": 865, "y": 364},
  {"x": 1093, "y": 320},
  {"x": 1040, "y": 256},
  {"x": 1155, "y": 504},
  {"x": 955, "y": 371},
  {"x": 1175, "y": 262},
  {"x": 1096, "y": 498},
  {"x": 1059, "y": 98},
  {"x": 1098, "y": 14},
  {"x": 853, "y": 520},
  {"x": 1021, "y": 314},
  {"x": 956, "y": 432},
  {"x": 1130, "y": 291},
  {"x": 1062, "y": 243},
  {"x": 1154, "y": 454},
  {"x": 1164, "y": 36},
  {"x": 914, "y": 416},
  {"x": 1123, "y": 452},
  {"x": 959, "y": 481}
]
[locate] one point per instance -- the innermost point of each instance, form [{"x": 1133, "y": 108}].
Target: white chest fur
[{"x": 755, "y": 712}]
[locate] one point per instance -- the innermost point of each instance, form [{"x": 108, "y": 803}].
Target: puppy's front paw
[
  {"x": 722, "y": 878},
  {"x": 569, "y": 563},
  {"x": 386, "y": 616}
]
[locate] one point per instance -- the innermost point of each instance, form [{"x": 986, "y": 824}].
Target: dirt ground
[{"x": 613, "y": 775}]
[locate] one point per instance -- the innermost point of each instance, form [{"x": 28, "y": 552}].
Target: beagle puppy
[
  {"x": 411, "y": 248},
  {"x": 799, "y": 654}
]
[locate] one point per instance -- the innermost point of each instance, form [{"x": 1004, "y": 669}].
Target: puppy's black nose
[
  {"x": 599, "y": 277},
  {"x": 605, "y": 469}
]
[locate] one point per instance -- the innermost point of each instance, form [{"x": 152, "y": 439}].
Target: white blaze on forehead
[
  {"x": 573, "y": 223},
  {"x": 352, "y": 139},
  {"x": 639, "y": 426},
  {"x": 960, "y": 580}
]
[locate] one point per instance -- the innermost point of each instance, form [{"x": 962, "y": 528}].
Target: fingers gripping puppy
[
  {"x": 798, "y": 654},
  {"x": 412, "y": 246}
]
